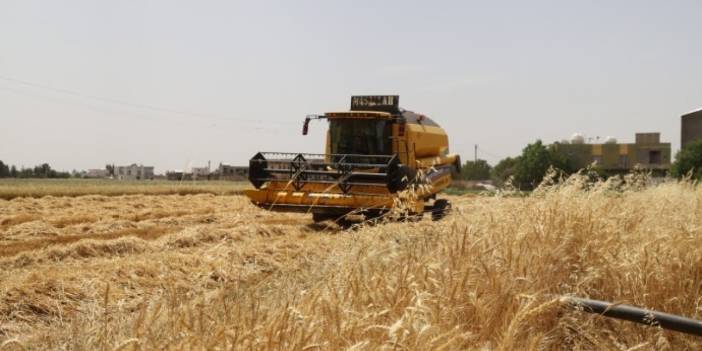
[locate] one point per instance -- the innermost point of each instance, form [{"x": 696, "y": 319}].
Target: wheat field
[
  {"x": 13, "y": 188},
  {"x": 143, "y": 272}
]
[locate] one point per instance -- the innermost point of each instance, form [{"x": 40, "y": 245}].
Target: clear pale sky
[{"x": 176, "y": 83}]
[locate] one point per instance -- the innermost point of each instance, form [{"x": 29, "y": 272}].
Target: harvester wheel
[
  {"x": 373, "y": 216},
  {"x": 411, "y": 217},
  {"x": 321, "y": 217},
  {"x": 440, "y": 209}
]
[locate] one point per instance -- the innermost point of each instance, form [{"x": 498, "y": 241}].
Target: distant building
[
  {"x": 690, "y": 127},
  {"x": 96, "y": 173},
  {"x": 647, "y": 153},
  {"x": 178, "y": 175},
  {"x": 229, "y": 172},
  {"x": 134, "y": 172},
  {"x": 200, "y": 173}
]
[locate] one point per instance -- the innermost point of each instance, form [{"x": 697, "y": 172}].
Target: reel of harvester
[
  {"x": 343, "y": 171},
  {"x": 330, "y": 186}
]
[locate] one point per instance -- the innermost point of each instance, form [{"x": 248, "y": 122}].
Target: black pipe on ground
[{"x": 635, "y": 314}]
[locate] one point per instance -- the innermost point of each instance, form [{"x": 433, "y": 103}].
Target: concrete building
[
  {"x": 229, "y": 172},
  {"x": 690, "y": 127},
  {"x": 96, "y": 173},
  {"x": 134, "y": 172},
  {"x": 647, "y": 152},
  {"x": 200, "y": 173},
  {"x": 178, "y": 175}
]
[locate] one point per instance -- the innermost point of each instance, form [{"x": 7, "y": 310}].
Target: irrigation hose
[{"x": 635, "y": 314}]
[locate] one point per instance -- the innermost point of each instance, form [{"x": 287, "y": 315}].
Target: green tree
[
  {"x": 57, "y": 174},
  {"x": 561, "y": 161},
  {"x": 532, "y": 166},
  {"x": 4, "y": 170},
  {"x": 688, "y": 160},
  {"x": 13, "y": 172},
  {"x": 535, "y": 161},
  {"x": 504, "y": 169},
  {"x": 42, "y": 171},
  {"x": 110, "y": 168},
  {"x": 476, "y": 170},
  {"x": 26, "y": 173}
]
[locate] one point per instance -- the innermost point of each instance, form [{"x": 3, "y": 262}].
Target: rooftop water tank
[
  {"x": 577, "y": 138},
  {"x": 610, "y": 140}
]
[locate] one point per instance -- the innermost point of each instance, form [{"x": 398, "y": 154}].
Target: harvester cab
[{"x": 378, "y": 156}]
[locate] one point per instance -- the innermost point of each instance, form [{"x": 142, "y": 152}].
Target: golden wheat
[{"x": 218, "y": 273}]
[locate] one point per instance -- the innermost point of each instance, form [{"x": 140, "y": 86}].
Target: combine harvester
[{"x": 378, "y": 157}]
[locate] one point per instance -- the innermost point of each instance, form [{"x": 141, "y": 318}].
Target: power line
[
  {"x": 132, "y": 104},
  {"x": 253, "y": 125},
  {"x": 488, "y": 153}
]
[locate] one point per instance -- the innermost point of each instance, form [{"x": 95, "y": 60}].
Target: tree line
[
  {"x": 43, "y": 170},
  {"x": 527, "y": 170}
]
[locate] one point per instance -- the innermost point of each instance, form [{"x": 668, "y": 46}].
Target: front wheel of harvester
[
  {"x": 411, "y": 217},
  {"x": 440, "y": 209},
  {"x": 321, "y": 217}
]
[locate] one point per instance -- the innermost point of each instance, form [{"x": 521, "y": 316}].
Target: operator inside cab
[{"x": 360, "y": 136}]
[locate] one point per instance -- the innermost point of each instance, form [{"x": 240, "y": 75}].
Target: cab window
[{"x": 360, "y": 136}]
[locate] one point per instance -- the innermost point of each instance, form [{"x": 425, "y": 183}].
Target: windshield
[{"x": 360, "y": 136}]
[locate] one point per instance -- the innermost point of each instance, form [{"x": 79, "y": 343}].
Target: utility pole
[{"x": 475, "y": 155}]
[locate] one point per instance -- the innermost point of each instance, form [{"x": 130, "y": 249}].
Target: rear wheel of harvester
[{"x": 440, "y": 209}]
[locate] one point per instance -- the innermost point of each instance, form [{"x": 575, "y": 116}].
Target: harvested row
[
  {"x": 53, "y": 260},
  {"x": 148, "y": 233},
  {"x": 28, "y": 224},
  {"x": 197, "y": 258}
]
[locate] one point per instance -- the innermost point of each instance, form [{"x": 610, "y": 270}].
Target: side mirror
[{"x": 306, "y": 126}]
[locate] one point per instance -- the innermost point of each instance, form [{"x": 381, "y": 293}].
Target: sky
[{"x": 176, "y": 84}]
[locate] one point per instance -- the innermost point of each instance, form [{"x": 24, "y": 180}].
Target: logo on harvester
[{"x": 360, "y": 102}]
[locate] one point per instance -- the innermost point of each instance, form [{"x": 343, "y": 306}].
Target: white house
[
  {"x": 134, "y": 172},
  {"x": 200, "y": 172},
  {"x": 96, "y": 173}
]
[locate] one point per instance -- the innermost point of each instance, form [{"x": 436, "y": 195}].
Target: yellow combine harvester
[{"x": 378, "y": 156}]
